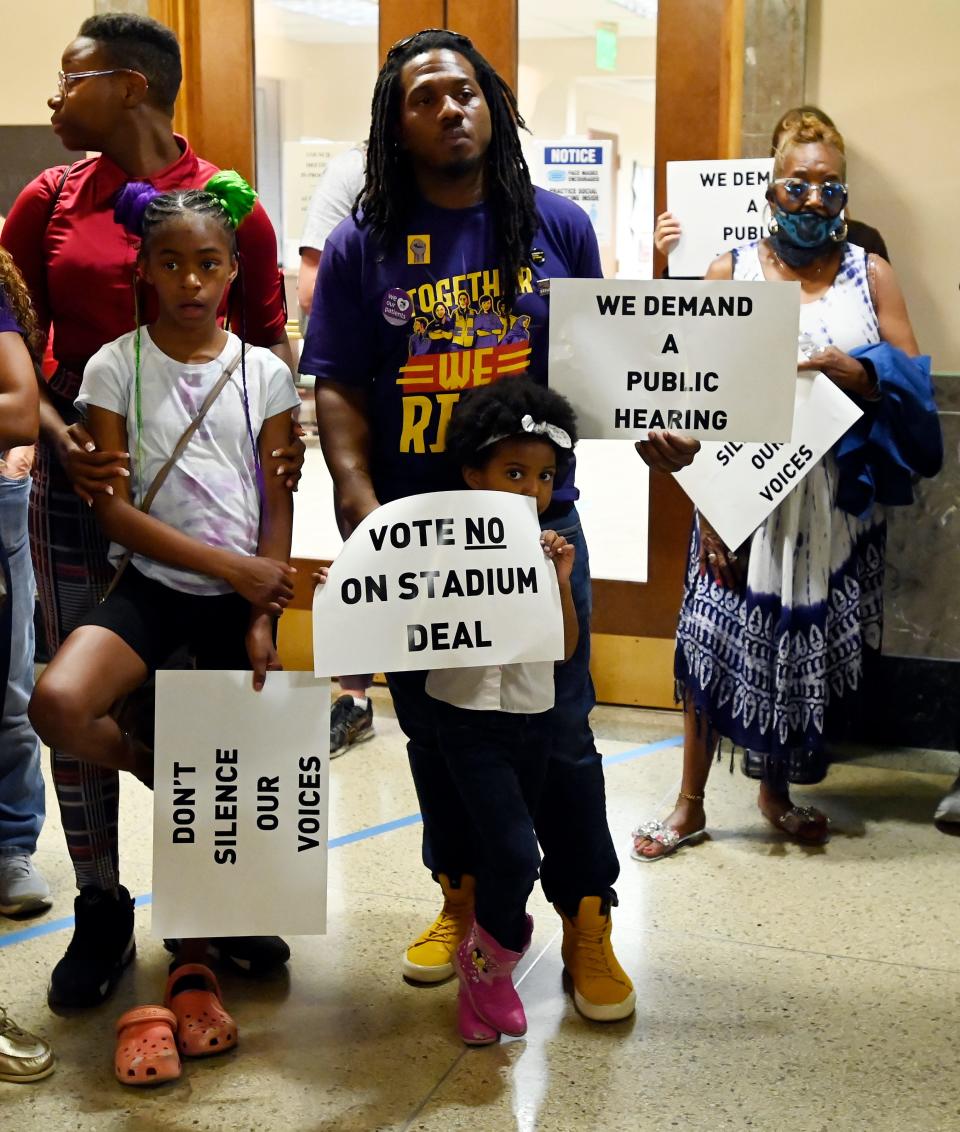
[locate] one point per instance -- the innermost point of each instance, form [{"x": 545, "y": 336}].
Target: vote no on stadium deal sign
[
  {"x": 451, "y": 579},
  {"x": 716, "y": 359},
  {"x": 240, "y": 804}
]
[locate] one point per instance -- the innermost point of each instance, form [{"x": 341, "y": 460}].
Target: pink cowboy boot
[
  {"x": 473, "y": 1029},
  {"x": 486, "y": 979}
]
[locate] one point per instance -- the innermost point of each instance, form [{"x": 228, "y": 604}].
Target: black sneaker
[
  {"x": 103, "y": 944},
  {"x": 349, "y": 724},
  {"x": 253, "y": 955}
]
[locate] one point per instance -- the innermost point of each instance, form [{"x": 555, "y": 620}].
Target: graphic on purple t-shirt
[
  {"x": 487, "y": 326},
  {"x": 412, "y": 393},
  {"x": 519, "y": 332}
]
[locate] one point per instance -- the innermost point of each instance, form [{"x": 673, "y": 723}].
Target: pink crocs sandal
[
  {"x": 146, "y": 1049},
  {"x": 204, "y": 1028}
]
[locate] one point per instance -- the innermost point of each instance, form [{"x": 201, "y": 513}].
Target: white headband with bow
[{"x": 559, "y": 436}]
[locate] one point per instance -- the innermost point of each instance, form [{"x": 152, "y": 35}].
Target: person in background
[
  {"x": 351, "y": 714},
  {"x": 773, "y": 635},
  {"x": 667, "y": 232},
  {"x": 115, "y": 96},
  {"x": 22, "y": 806},
  {"x": 24, "y": 1057}
]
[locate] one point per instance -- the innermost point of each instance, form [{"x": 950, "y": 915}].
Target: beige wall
[
  {"x": 34, "y": 36},
  {"x": 888, "y": 73},
  {"x": 326, "y": 88}
]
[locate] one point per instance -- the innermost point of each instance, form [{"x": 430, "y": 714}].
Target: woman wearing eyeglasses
[{"x": 773, "y": 634}]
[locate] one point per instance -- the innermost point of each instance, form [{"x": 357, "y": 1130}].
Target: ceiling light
[
  {"x": 645, "y": 9},
  {"x": 354, "y": 13}
]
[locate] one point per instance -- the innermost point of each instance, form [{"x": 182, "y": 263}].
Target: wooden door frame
[{"x": 698, "y": 107}]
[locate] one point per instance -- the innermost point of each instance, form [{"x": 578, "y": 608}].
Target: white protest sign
[
  {"x": 582, "y": 171},
  {"x": 716, "y": 359},
  {"x": 240, "y": 804},
  {"x": 719, "y": 205},
  {"x": 304, "y": 163},
  {"x": 451, "y": 579},
  {"x": 738, "y": 485}
]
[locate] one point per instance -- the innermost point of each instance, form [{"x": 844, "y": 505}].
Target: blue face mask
[{"x": 807, "y": 229}]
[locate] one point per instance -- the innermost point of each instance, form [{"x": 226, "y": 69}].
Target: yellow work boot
[
  {"x": 429, "y": 959},
  {"x": 602, "y": 989}
]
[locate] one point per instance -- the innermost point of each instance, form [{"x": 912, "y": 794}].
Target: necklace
[{"x": 793, "y": 271}]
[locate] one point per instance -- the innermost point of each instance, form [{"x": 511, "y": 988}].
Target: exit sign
[{"x": 606, "y": 47}]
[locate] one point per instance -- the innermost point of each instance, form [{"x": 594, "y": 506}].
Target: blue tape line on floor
[{"x": 50, "y": 926}]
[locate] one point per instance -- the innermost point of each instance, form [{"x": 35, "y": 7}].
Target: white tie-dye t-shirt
[{"x": 211, "y": 494}]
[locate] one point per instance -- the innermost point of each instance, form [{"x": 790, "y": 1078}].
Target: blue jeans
[
  {"x": 571, "y": 817},
  {"x": 21, "y": 781}
]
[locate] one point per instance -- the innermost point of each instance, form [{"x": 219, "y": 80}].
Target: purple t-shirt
[
  {"x": 8, "y": 321},
  {"x": 352, "y": 341}
]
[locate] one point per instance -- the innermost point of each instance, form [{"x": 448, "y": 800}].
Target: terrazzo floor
[{"x": 779, "y": 988}]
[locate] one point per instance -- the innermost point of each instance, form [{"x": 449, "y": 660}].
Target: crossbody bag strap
[
  {"x": 160, "y": 477},
  {"x": 188, "y": 432}
]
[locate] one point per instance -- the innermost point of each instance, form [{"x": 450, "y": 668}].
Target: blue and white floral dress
[{"x": 766, "y": 665}]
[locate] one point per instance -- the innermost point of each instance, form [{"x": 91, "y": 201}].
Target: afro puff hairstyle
[{"x": 496, "y": 410}]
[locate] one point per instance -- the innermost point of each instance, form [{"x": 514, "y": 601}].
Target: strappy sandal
[
  {"x": 204, "y": 1028},
  {"x": 146, "y": 1047},
  {"x": 805, "y": 824},
  {"x": 671, "y": 841}
]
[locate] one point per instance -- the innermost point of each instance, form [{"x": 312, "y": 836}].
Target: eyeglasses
[
  {"x": 792, "y": 194},
  {"x": 65, "y": 78},
  {"x": 403, "y": 43}
]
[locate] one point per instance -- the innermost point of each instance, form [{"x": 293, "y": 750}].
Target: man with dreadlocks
[{"x": 448, "y": 209}]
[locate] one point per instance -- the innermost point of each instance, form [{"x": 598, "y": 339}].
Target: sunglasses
[
  {"x": 401, "y": 44},
  {"x": 66, "y": 78},
  {"x": 792, "y": 193}
]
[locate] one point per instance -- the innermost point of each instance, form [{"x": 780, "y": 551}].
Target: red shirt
[{"x": 79, "y": 263}]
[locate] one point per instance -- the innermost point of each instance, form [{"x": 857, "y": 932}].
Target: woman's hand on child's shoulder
[
  {"x": 265, "y": 582},
  {"x": 560, "y": 552}
]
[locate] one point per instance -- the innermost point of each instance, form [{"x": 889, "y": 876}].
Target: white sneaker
[
  {"x": 22, "y": 887},
  {"x": 949, "y": 809}
]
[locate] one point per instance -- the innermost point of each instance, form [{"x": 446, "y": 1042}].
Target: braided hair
[
  {"x": 225, "y": 199},
  {"x": 388, "y": 193},
  {"x": 14, "y": 291}
]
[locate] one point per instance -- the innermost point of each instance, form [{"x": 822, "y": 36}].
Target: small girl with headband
[
  {"x": 516, "y": 436},
  {"x": 209, "y": 547}
]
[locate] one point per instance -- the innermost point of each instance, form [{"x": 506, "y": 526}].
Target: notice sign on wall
[
  {"x": 719, "y": 205},
  {"x": 452, "y": 579},
  {"x": 240, "y": 804},
  {"x": 715, "y": 359},
  {"x": 738, "y": 485},
  {"x": 583, "y": 172},
  {"x": 304, "y": 163}
]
